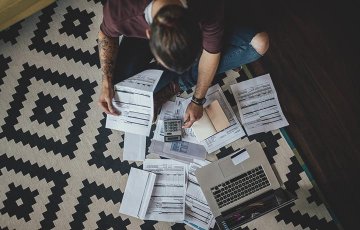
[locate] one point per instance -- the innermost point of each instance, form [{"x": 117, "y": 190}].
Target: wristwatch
[{"x": 198, "y": 101}]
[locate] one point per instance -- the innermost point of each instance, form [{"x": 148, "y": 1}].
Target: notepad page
[
  {"x": 203, "y": 128},
  {"x": 217, "y": 116}
]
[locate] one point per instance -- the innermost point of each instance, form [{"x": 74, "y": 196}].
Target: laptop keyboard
[{"x": 240, "y": 186}]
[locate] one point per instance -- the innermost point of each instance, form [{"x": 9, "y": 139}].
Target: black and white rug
[{"x": 59, "y": 167}]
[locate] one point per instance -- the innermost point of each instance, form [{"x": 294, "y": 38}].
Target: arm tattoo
[{"x": 108, "y": 48}]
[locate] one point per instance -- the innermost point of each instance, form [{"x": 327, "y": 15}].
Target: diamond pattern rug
[{"x": 60, "y": 168}]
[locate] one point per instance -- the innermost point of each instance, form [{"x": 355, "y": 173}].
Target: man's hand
[
  {"x": 193, "y": 113},
  {"x": 106, "y": 95},
  {"x": 208, "y": 64}
]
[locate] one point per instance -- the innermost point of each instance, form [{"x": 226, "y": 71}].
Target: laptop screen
[{"x": 256, "y": 207}]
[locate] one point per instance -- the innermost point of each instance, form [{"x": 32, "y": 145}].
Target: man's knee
[{"x": 260, "y": 42}]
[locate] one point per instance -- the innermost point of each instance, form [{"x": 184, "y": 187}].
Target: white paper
[
  {"x": 180, "y": 108},
  {"x": 167, "y": 202},
  {"x": 173, "y": 110},
  {"x": 134, "y": 100},
  {"x": 240, "y": 157},
  {"x": 144, "y": 81},
  {"x": 136, "y": 203},
  {"x": 226, "y": 136},
  {"x": 178, "y": 150},
  {"x": 168, "y": 111},
  {"x": 203, "y": 128},
  {"x": 177, "y": 110},
  {"x": 134, "y": 147},
  {"x": 197, "y": 214},
  {"x": 258, "y": 105}
]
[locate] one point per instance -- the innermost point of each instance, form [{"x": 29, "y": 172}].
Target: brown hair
[{"x": 175, "y": 38}]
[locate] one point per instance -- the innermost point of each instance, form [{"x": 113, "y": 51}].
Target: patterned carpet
[{"x": 60, "y": 168}]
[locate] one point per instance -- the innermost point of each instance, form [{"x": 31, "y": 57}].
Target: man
[{"x": 186, "y": 37}]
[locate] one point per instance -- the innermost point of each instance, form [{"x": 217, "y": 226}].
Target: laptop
[{"x": 242, "y": 187}]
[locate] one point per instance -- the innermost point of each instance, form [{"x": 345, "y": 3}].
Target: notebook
[{"x": 213, "y": 121}]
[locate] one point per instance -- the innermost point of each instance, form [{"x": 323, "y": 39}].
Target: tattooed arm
[{"x": 108, "y": 48}]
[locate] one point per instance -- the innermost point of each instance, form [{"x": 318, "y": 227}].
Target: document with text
[
  {"x": 167, "y": 202},
  {"x": 134, "y": 100},
  {"x": 258, "y": 105},
  {"x": 197, "y": 214},
  {"x": 226, "y": 136},
  {"x": 184, "y": 151},
  {"x": 178, "y": 150},
  {"x": 176, "y": 110},
  {"x": 173, "y": 110}
]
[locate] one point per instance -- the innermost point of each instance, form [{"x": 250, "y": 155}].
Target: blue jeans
[{"x": 135, "y": 56}]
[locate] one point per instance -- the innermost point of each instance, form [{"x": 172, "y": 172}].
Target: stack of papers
[
  {"x": 167, "y": 202},
  {"x": 228, "y": 135},
  {"x": 258, "y": 105},
  {"x": 134, "y": 100},
  {"x": 179, "y": 150},
  {"x": 167, "y": 190},
  {"x": 184, "y": 151},
  {"x": 198, "y": 214}
]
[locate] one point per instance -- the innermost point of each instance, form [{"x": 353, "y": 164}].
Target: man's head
[{"x": 175, "y": 38}]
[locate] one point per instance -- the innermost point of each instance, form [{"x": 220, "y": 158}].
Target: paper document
[
  {"x": 168, "y": 111},
  {"x": 144, "y": 81},
  {"x": 213, "y": 120},
  {"x": 197, "y": 214},
  {"x": 134, "y": 100},
  {"x": 134, "y": 147},
  {"x": 173, "y": 110},
  {"x": 178, "y": 150},
  {"x": 136, "y": 203},
  {"x": 184, "y": 151},
  {"x": 167, "y": 202},
  {"x": 226, "y": 136},
  {"x": 258, "y": 105},
  {"x": 177, "y": 110}
]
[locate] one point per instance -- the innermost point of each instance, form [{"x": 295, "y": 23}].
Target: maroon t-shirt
[{"x": 126, "y": 17}]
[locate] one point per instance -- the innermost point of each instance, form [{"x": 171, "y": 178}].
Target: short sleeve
[
  {"x": 213, "y": 28},
  {"x": 109, "y": 24}
]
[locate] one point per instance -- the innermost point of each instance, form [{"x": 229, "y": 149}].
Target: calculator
[{"x": 172, "y": 130}]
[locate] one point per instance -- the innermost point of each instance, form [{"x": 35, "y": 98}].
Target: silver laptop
[{"x": 241, "y": 187}]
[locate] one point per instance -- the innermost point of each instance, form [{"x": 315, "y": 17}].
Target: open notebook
[{"x": 213, "y": 121}]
